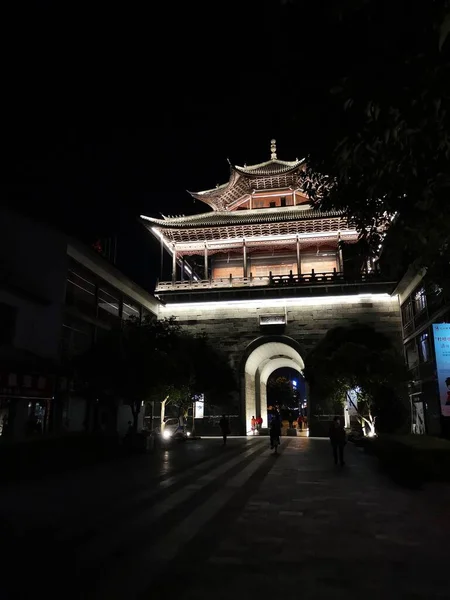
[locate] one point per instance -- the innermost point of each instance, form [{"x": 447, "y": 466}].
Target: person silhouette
[
  {"x": 224, "y": 425},
  {"x": 338, "y": 439}
]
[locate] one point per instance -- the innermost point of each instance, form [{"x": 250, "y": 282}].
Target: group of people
[
  {"x": 256, "y": 424},
  {"x": 337, "y": 435}
]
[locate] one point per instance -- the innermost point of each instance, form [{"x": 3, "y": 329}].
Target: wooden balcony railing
[{"x": 270, "y": 280}]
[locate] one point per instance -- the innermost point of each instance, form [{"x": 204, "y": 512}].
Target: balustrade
[{"x": 271, "y": 280}]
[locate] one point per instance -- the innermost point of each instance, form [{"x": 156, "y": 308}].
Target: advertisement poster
[
  {"x": 442, "y": 348},
  {"x": 199, "y": 410},
  {"x": 199, "y": 406}
]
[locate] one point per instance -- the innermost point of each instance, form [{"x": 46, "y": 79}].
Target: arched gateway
[
  {"x": 263, "y": 272},
  {"x": 261, "y": 358}
]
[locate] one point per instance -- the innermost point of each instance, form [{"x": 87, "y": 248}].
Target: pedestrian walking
[
  {"x": 300, "y": 422},
  {"x": 338, "y": 439},
  {"x": 275, "y": 433},
  {"x": 253, "y": 424},
  {"x": 291, "y": 421},
  {"x": 224, "y": 425}
]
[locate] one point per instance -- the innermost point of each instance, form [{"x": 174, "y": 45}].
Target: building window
[
  {"x": 321, "y": 263},
  {"x": 420, "y": 301},
  {"x": 411, "y": 354},
  {"x": 435, "y": 297},
  {"x": 80, "y": 290},
  {"x": 424, "y": 347},
  {"x": 283, "y": 201},
  {"x": 108, "y": 303},
  {"x": 131, "y": 310},
  {"x": 77, "y": 337},
  {"x": 407, "y": 312},
  {"x": 272, "y": 204},
  {"x": 8, "y": 317}
]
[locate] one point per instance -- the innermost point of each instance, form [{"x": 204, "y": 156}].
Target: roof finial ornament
[{"x": 273, "y": 149}]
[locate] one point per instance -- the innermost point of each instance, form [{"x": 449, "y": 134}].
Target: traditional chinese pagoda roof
[
  {"x": 270, "y": 167},
  {"x": 241, "y": 217},
  {"x": 269, "y": 175}
]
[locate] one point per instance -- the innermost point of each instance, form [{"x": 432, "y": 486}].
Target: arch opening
[{"x": 260, "y": 364}]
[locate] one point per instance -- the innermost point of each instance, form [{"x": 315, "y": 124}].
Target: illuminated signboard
[
  {"x": 199, "y": 407},
  {"x": 442, "y": 349}
]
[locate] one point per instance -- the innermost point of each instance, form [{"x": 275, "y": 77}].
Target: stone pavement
[
  {"x": 239, "y": 523},
  {"x": 313, "y": 530}
]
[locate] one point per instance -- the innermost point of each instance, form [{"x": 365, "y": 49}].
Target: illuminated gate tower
[{"x": 271, "y": 280}]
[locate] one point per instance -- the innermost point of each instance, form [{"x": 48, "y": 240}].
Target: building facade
[
  {"x": 423, "y": 307},
  {"x": 57, "y": 296},
  {"x": 264, "y": 274}
]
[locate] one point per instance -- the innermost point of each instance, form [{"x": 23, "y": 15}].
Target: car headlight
[{"x": 166, "y": 434}]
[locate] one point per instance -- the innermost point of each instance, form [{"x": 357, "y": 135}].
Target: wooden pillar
[
  {"x": 245, "y": 258},
  {"x": 299, "y": 262},
  {"x": 250, "y": 202},
  {"x": 206, "y": 262},
  {"x": 340, "y": 258},
  {"x": 162, "y": 259},
  {"x": 182, "y": 269},
  {"x": 174, "y": 264},
  {"x": 295, "y": 198}
]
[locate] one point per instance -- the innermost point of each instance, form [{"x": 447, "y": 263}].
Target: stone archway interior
[
  {"x": 267, "y": 370},
  {"x": 261, "y": 363}
]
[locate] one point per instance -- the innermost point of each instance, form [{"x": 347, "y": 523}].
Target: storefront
[{"x": 25, "y": 404}]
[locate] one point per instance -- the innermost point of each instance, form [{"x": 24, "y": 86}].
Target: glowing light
[
  {"x": 166, "y": 434},
  {"x": 188, "y": 433},
  {"x": 294, "y": 383},
  {"x": 170, "y": 250},
  {"x": 277, "y": 302}
]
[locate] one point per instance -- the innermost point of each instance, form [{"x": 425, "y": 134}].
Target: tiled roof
[
  {"x": 241, "y": 217},
  {"x": 270, "y": 167},
  {"x": 272, "y": 174}
]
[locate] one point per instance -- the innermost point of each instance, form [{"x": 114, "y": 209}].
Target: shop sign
[
  {"x": 441, "y": 333},
  {"x": 26, "y": 386}
]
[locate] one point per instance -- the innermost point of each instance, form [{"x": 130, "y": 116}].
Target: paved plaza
[{"x": 240, "y": 522}]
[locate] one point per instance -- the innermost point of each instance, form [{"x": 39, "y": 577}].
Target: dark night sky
[{"x": 114, "y": 113}]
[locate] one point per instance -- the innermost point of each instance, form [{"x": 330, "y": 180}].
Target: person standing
[
  {"x": 300, "y": 422},
  {"x": 253, "y": 424},
  {"x": 338, "y": 439},
  {"x": 259, "y": 422},
  {"x": 275, "y": 433},
  {"x": 224, "y": 425}
]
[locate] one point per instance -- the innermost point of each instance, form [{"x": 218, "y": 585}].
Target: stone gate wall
[{"x": 232, "y": 326}]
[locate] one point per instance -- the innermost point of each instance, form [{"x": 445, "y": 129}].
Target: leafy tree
[
  {"x": 195, "y": 367},
  {"x": 384, "y": 160},
  {"x": 358, "y": 359},
  {"x": 153, "y": 360}
]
